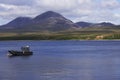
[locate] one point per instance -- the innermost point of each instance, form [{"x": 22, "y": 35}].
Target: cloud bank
[{"x": 76, "y": 10}]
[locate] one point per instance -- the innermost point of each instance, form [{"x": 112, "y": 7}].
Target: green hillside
[{"x": 80, "y": 34}]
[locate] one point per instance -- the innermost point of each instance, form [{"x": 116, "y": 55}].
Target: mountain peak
[
  {"x": 51, "y": 14},
  {"x": 84, "y": 24},
  {"x": 20, "y": 21},
  {"x": 102, "y": 24},
  {"x": 47, "y": 14},
  {"x": 106, "y": 24}
]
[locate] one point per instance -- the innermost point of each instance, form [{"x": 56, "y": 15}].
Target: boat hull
[{"x": 19, "y": 53}]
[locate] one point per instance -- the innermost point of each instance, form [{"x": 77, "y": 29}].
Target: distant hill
[
  {"x": 103, "y": 25},
  {"x": 49, "y": 21},
  {"x": 84, "y": 24},
  {"x": 17, "y": 23},
  {"x": 87, "y": 24}
]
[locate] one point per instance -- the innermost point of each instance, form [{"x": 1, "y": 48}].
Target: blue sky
[{"x": 75, "y": 10}]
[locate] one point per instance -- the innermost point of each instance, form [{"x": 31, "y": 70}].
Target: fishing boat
[{"x": 25, "y": 51}]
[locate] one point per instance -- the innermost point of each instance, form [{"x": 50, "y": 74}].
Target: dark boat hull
[{"x": 19, "y": 53}]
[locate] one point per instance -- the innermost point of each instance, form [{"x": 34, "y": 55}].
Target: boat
[{"x": 25, "y": 51}]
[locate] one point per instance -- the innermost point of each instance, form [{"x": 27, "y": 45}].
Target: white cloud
[
  {"x": 69, "y": 8},
  {"x": 17, "y": 2},
  {"x": 60, "y": 5},
  {"x": 110, "y": 4},
  {"x": 6, "y": 7},
  {"x": 12, "y": 11},
  {"x": 4, "y": 21},
  {"x": 76, "y": 10},
  {"x": 117, "y": 15}
]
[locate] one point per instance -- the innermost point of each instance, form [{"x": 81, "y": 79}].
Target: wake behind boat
[{"x": 25, "y": 51}]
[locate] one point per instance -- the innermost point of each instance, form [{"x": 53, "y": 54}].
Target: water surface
[{"x": 62, "y": 60}]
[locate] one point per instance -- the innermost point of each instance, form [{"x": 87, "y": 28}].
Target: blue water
[{"x": 62, "y": 60}]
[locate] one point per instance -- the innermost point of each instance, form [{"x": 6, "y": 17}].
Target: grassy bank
[{"x": 71, "y": 35}]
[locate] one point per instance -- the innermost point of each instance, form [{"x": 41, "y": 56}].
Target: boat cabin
[{"x": 25, "y": 49}]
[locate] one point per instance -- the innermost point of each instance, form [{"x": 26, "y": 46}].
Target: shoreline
[{"x": 62, "y": 40}]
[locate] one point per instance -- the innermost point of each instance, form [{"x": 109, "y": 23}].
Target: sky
[{"x": 76, "y": 10}]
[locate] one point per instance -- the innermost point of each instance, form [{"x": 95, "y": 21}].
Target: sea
[{"x": 61, "y": 60}]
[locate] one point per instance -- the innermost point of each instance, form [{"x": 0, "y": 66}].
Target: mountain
[
  {"x": 18, "y": 22},
  {"x": 84, "y": 24},
  {"x": 46, "y": 15},
  {"x": 104, "y": 24},
  {"x": 87, "y": 24},
  {"x": 48, "y": 21},
  {"x": 53, "y": 21}
]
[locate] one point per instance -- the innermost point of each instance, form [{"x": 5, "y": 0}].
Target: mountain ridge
[
  {"x": 88, "y": 24},
  {"x": 49, "y": 21}
]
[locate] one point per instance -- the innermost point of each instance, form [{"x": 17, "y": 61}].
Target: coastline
[{"x": 64, "y": 40}]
